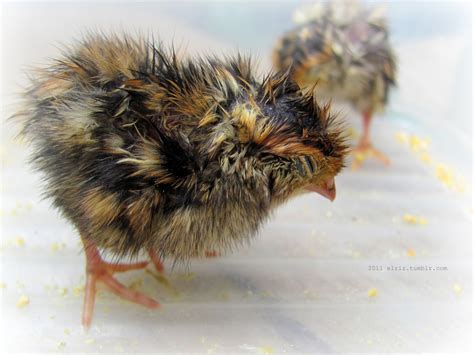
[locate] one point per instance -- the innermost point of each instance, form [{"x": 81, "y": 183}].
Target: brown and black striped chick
[
  {"x": 344, "y": 48},
  {"x": 142, "y": 151}
]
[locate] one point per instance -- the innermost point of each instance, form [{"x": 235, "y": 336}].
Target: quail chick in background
[
  {"x": 143, "y": 151},
  {"x": 344, "y": 49}
]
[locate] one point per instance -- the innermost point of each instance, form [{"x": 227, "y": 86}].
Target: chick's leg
[
  {"x": 99, "y": 270},
  {"x": 156, "y": 260},
  {"x": 212, "y": 254},
  {"x": 364, "y": 148}
]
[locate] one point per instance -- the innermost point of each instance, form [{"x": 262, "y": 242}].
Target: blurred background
[{"x": 304, "y": 285}]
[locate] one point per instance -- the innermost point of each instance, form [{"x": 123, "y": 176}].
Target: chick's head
[{"x": 281, "y": 135}]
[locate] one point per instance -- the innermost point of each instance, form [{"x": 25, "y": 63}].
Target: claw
[{"x": 99, "y": 270}]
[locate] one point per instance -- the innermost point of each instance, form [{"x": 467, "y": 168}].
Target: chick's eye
[
  {"x": 310, "y": 163},
  {"x": 305, "y": 165},
  {"x": 299, "y": 167}
]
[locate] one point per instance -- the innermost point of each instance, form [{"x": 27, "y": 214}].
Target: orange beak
[{"x": 326, "y": 189}]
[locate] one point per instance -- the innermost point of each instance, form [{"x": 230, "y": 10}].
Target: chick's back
[
  {"x": 346, "y": 50},
  {"x": 125, "y": 136}
]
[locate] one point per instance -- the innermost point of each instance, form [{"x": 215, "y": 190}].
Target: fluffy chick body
[
  {"x": 345, "y": 49},
  {"x": 141, "y": 150}
]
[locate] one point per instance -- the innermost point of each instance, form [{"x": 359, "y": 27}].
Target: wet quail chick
[
  {"x": 142, "y": 151},
  {"x": 345, "y": 49}
]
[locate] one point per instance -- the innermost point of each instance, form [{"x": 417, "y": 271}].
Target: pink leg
[
  {"x": 366, "y": 120},
  {"x": 126, "y": 267},
  {"x": 212, "y": 254},
  {"x": 156, "y": 260},
  {"x": 89, "y": 300},
  {"x": 365, "y": 149},
  {"x": 99, "y": 270}
]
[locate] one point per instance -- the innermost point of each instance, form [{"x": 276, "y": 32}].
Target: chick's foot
[
  {"x": 99, "y": 270},
  {"x": 366, "y": 150}
]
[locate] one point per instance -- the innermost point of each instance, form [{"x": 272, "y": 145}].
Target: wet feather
[{"x": 142, "y": 150}]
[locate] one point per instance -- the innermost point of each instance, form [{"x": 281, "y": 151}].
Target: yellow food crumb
[
  {"x": 372, "y": 292},
  {"x": 19, "y": 241},
  {"x": 3, "y": 285},
  {"x": 457, "y": 288},
  {"x": 63, "y": 291},
  {"x": 22, "y": 302},
  {"x": 90, "y": 341},
  {"x": 445, "y": 175},
  {"x": 20, "y": 209},
  {"x": 266, "y": 350},
  {"x": 61, "y": 345},
  {"x": 417, "y": 144},
  {"x": 401, "y": 137},
  {"x": 57, "y": 246},
  {"x": 360, "y": 157},
  {"x": 67, "y": 331},
  {"x": 412, "y": 219},
  {"x": 426, "y": 158},
  {"x": 411, "y": 252},
  {"x": 414, "y": 143},
  {"x": 77, "y": 290}
]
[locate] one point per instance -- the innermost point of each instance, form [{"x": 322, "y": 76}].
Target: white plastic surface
[{"x": 303, "y": 285}]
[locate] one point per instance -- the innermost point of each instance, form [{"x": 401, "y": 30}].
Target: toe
[
  {"x": 126, "y": 267},
  {"x": 363, "y": 151},
  {"x": 380, "y": 156},
  {"x": 124, "y": 292},
  {"x": 89, "y": 300}
]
